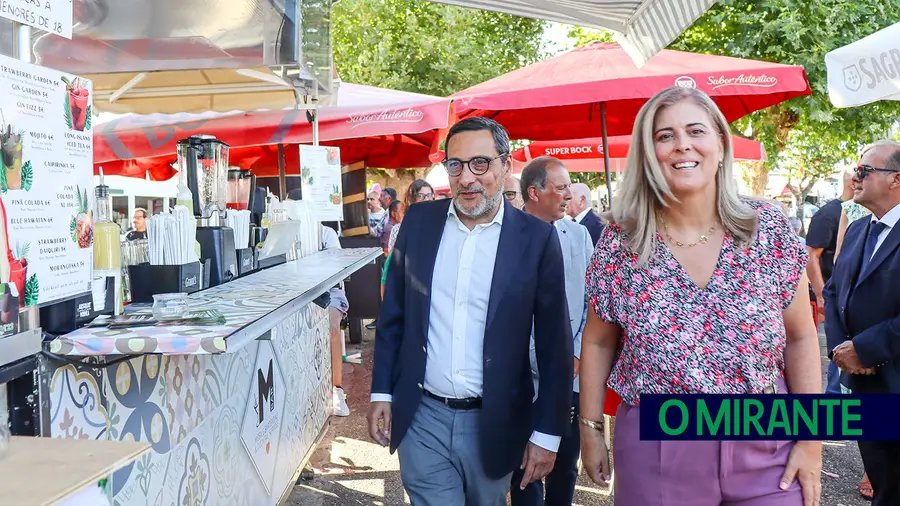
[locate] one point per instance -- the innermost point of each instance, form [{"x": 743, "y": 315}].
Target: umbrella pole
[
  {"x": 282, "y": 180},
  {"x": 315, "y": 122},
  {"x": 605, "y": 152}
]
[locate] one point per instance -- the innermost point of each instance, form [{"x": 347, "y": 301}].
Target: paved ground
[{"x": 351, "y": 470}]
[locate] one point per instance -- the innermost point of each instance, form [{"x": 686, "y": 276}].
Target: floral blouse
[
  {"x": 854, "y": 211},
  {"x": 728, "y": 338}
]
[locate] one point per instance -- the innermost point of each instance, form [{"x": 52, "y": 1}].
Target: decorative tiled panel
[{"x": 200, "y": 414}]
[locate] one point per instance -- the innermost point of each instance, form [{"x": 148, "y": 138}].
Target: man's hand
[
  {"x": 379, "y": 418},
  {"x": 577, "y": 365},
  {"x": 537, "y": 463},
  {"x": 805, "y": 464},
  {"x": 845, "y": 357}
]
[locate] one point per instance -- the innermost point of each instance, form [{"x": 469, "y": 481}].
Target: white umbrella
[
  {"x": 865, "y": 71},
  {"x": 642, "y": 27}
]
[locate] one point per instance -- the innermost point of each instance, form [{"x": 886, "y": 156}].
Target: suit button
[
  {"x": 424, "y": 350},
  {"x": 419, "y": 385}
]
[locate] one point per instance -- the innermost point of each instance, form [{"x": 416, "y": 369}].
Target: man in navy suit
[
  {"x": 581, "y": 211},
  {"x": 862, "y": 310},
  {"x": 451, "y": 384}
]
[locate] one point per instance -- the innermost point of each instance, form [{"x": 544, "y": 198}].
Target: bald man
[{"x": 581, "y": 211}]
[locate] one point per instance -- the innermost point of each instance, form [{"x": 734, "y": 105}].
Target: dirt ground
[{"x": 349, "y": 469}]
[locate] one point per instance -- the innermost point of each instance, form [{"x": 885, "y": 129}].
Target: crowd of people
[{"x": 511, "y": 309}]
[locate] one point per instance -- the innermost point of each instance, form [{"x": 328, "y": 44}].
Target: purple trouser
[{"x": 697, "y": 473}]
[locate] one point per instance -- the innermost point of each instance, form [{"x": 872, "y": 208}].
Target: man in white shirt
[
  {"x": 546, "y": 189},
  {"x": 451, "y": 383},
  {"x": 862, "y": 310},
  {"x": 582, "y": 212}
]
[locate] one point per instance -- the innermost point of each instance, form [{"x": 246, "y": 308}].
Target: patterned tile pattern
[{"x": 190, "y": 409}]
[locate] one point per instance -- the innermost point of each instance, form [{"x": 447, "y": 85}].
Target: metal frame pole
[{"x": 605, "y": 152}]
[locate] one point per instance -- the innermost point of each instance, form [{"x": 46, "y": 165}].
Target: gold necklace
[{"x": 703, "y": 238}]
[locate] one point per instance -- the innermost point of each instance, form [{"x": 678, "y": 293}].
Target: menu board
[
  {"x": 53, "y": 16},
  {"x": 320, "y": 181},
  {"x": 46, "y": 182}
]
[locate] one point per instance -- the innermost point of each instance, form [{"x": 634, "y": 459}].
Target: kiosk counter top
[{"x": 251, "y": 305}]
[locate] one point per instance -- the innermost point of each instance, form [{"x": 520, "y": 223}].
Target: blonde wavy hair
[{"x": 643, "y": 189}]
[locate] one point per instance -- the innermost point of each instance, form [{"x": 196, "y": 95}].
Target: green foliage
[
  {"x": 27, "y": 176},
  {"x": 799, "y": 32},
  {"x": 581, "y": 36},
  {"x": 426, "y": 47},
  {"x": 68, "y": 112},
  {"x": 592, "y": 179},
  {"x": 88, "y": 118},
  {"x": 32, "y": 290}
]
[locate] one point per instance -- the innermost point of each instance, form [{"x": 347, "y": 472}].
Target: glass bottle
[{"x": 107, "y": 248}]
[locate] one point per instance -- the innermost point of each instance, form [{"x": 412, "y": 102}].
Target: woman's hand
[
  {"x": 595, "y": 455},
  {"x": 805, "y": 464}
]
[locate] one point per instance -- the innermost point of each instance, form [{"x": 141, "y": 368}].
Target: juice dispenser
[{"x": 203, "y": 164}]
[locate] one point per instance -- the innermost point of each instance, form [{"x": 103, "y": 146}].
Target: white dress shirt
[
  {"x": 582, "y": 214},
  {"x": 890, "y": 219},
  {"x": 460, "y": 294}
]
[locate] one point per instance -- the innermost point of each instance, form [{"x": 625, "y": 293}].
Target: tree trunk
[{"x": 757, "y": 178}]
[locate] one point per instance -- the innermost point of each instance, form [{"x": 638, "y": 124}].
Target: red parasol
[
  {"x": 390, "y": 129},
  {"x": 596, "y": 89},
  {"x": 586, "y": 155}
]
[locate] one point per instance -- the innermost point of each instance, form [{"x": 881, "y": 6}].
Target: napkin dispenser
[
  {"x": 246, "y": 258},
  {"x": 148, "y": 280},
  {"x": 217, "y": 246}
]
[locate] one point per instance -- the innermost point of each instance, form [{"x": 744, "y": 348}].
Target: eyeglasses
[
  {"x": 425, "y": 196},
  {"x": 864, "y": 170},
  {"x": 478, "y": 165}
]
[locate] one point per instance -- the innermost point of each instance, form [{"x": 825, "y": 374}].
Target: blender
[
  {"x": 241, "y": 184},
  {"x": 203, "y": 165}
]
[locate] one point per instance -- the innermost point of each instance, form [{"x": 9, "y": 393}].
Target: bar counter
[{"x": 231, "y": 412}]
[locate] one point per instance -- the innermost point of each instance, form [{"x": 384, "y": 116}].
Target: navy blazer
[
  {"x": 865, "y": 307},
  {"x": 594, "y": 225},
  {"x": 528, "y": 282}
]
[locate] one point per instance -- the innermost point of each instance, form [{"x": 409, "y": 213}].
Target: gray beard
[{"x": 486, "y": 206}]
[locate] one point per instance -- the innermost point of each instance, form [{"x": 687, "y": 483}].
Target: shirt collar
[
  {"x": 498, "y": 218},
  {"x": 582, "y": 214},
  {"x": 890, "y": 218}
]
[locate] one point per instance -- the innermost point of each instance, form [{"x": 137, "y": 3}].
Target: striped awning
[{"x": 643, "y": 27}]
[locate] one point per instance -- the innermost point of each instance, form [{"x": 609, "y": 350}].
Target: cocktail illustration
[
  {"x": 83, "y": 222},
  {"x": 11, "y": 155},
  {"x": 77, "y": 96},
  {"x": 333, "y": 156}
]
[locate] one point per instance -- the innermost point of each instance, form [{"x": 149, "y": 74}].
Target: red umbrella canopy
[
  {"x": 382, "y": 124},
  {"x": 559, "y": 98},
  {"x": 586, "y": 155}
]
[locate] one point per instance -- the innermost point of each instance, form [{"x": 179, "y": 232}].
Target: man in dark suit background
[
  {"x": 582, "y": 212},
  {"x": 451, "y": 383},
  {"x": 862, "y": 309}
]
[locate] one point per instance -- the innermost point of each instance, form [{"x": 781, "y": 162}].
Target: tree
[
  {"x": 798, "y": 32},
  {"x": 581, "y": 36},
  {"x": 427, "y": 47},
  {"x": 809, "y": 156}
]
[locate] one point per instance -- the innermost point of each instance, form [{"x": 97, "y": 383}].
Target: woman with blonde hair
[{"x": 694, "y": 289}]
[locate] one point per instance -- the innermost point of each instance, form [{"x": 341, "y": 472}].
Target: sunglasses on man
[{"x": 864, "y": 170}]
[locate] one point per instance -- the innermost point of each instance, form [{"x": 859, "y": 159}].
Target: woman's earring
[{"x": 721, "y": 165}]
